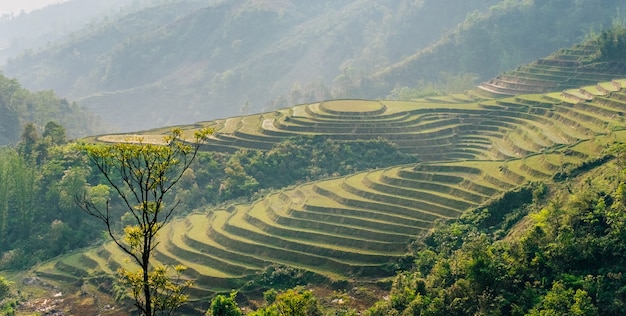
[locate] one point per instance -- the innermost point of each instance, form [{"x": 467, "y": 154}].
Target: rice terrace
[
  {"x": 525, "y": 126},
  {"x": 474, "y": 148},
  {"x": 312, "y": 158}
]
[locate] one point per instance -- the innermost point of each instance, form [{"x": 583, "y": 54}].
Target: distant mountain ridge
[
  {"x": 497, "y": 40},
  {"x": 183, "y": 61},
  {"x": 53, "y": 23},
  {"x": 186, "y": 60}
]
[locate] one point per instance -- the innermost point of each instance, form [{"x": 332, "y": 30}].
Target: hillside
[
  {"x": 19, "y": 106},
  {"x": 491, "y": 42},
  {"x": 358, "y": 227},
  {"x": 30, "y": 31},
  {"x": 367, "y": 182},
  {"x": 558, "y": 255},
  {"x": 478, "y": 149},
  {"x": 146, "y": 61}
]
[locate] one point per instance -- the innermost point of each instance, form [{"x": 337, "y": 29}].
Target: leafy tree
[
  {"x": 237, "y": 182},
  {"x": 222, "y": 305},
  {"x": 612, "y": 44},
  {"x": 142, "y": 175},
  {"x": 293, "y": 302},
  {"x": 55, "y": 132},
  {"x": 5, "y": 288},
  {"x": 29, "y": 140},
  {"x": 565, "y": 301}
]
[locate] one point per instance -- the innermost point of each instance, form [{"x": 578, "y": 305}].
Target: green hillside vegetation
[
  {"x": 346, "y": 193},
  {"x": 19, "y": 106},
  {"x": 494, "y": 41},
  {"x": 358, "y": 227},
  {"x": 565, "y": 258},
  {"x": 237, "y": 57}
]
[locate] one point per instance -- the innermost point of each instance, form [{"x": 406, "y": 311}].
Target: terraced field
[
  {"x": 565, "y": 69},
  {"x": 488, "y": 129},
  {"x": 356, "y": 227}
]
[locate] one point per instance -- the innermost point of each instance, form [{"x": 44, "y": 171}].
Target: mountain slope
[
  {"x": 189, "y": 60},
  {"x": 52, "y": 23},
  {"x": 19, "y": 106},
  {"x": 498, "y": 40},
  {"x": 476, "y": 152},
  {"x": 357, "y": 227}
]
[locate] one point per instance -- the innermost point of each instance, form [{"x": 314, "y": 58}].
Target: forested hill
[
  {"x": 19, "y": 106},
  {"x": 507, "y": 35},
  {"x": 29, "y": 31},
  {"x": 188, "y": 60}
]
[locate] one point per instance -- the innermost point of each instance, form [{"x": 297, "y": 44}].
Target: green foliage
[
  {"x": 18, "y": 106},
  {"x": 222, "y": 305},
  {"x": 304, "y": 158},
  {"x": 565, "y": 301},
  {"x": 567, "y": 258},
  {"x": 143, "y": 175},
  {"x": 216, "y": 177},
  {"x": 293, "y": 302},
  {"x": 612, "y": 44},
  {"x": 39, "y": 180},
  {"x": 5, "y": 288},
  {"x": 283, "y": 277},
  {"x": 167, "y": 291}
]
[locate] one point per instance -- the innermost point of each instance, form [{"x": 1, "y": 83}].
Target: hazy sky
[{"x": 16, "y": 6}]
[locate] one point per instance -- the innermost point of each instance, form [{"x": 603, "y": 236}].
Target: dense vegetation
[
  {"x": 613, "y": 44},
  {"x": 38, "y": 216},
  {"x": 300, "y": 160},
  {"x": 19, "y": 106},
  {"x": 565, "y": 258},
  {"x": 41, "y": 177},
  {"x": 507, "y": 35},
  {"x": 561, "y": 254}
]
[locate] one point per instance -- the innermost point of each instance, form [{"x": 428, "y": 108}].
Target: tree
[
  {"x": 293, "y": 302},
  {"x": 5, "y": 287},
  {"x": 55, "y": 132},
  {"x": 142, "y": 175},
  {"x": 612, "y": 43},
  {"x": 222, "y": 305},
  {"x": 29, "y": 139}
]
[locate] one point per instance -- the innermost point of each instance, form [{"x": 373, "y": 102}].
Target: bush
[{"x": 222, "y": 305}]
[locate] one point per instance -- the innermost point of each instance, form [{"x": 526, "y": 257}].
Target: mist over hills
[
  {"x": 497, "y": 40},
  {"x": 176, "y": 62},
  {"x": 53, "y": 23},
  {"x": 19, "y": 106},
  {"x": 188, "y": 60}
]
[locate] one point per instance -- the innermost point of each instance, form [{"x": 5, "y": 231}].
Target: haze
[{"x": 17, "y": 6}]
